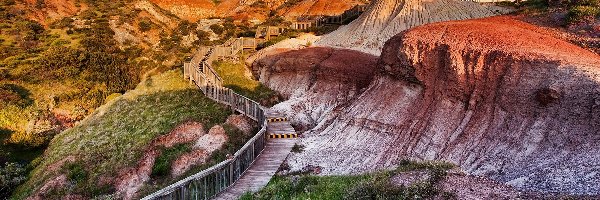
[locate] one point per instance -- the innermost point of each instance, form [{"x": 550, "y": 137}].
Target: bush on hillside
[
  {"x": 583, "y": 13},
  {"x": 217, "y": 29},
  {"x": 110, "y": 70},
  {"x": 11, "y": 176},
  {"x": 145, "y": 25},
  {"x": 38, "y": 132},
  {"x": 11, "y": 94},
  {"x": 63, "y": 23}
]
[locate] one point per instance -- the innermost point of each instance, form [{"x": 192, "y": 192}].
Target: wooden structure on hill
[
  {"x": 268, "y": 32},
  {"x": 318, "y": 21},
  {"x": 252, "y": 166}
]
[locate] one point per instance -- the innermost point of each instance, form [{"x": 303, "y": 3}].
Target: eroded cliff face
[
  {"x": 315, "y": 80},
  {"x": 254, "y": 9},
  {"x": 386, "y": 18},
  {"x": 510, "y": 103},
  {"x": 48, "y": 11}
]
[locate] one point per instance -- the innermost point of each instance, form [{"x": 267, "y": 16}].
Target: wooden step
[
  {"x": 283, "y": 136},
  {"x": 277, "y": 119}
]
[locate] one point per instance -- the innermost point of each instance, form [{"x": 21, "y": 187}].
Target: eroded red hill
[{"x": 511, "y": 103}]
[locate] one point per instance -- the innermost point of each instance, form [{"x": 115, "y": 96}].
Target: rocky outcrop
[
  {"x": 509, "y": 103},
  {"x": 300, "y": 42},
  {"x": 317, "y": 7},
  {"x": 48, "y": 11},
  {"x": 254, "y": 9},
  {"x": 315, "y": 80},
  {"x": 386, "y": 18}
]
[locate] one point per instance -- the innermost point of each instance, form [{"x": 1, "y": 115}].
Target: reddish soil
[
  {"x": 58, "y": 182},
  {"x": 184, "y": 133},
  {"x": 195, "y": 10},
  {"x": 50, "y": 10},
  {"x": 214, "y": 140},
  {"x": 242, "y": 123},
  {"x": 132, "y": 179},
  {"x": 187, "y": 161},
  {"x": 321, "y": 64},
  {"x": 584, "y": 34}
]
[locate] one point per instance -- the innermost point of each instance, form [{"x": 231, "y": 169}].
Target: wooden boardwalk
[
  {"x": 252, "y": 166},
  {"x": 261, "y": 171},
  {"x": 268, "y": 162}
]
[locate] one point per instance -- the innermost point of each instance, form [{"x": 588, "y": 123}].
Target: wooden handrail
[{"x": 210, "y": 182}]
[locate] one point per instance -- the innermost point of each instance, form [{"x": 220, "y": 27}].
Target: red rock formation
[
  {"x": 253, "y": 9},
  {"x": 47, "y": 11},
  {"x": 510, "y": 103}
]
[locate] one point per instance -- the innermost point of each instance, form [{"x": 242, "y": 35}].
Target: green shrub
[
  {"x": 217, "y": 29},
  {"x": 162, "y": 164},
  {"x": 272, "y": 42},
  {"x": 290, "y": 3},
  {"x": 11, "y": 94},
  {"x": 11, "y": 176},
  {"x": 375, "y": 189},
  {"x": 582, "y": 13},
  {"x": 234, "y": 77},
  {"x": 63, "y": 23},
  {"x": 536, "y": 5},
  {"x": 145, "y": 25},
  {"x": 33, "y": 139},
  {"x": 7, "y": 2},
  {"x": 594, "y": 3},
  {"x": 298, "y": 148},
  {"x": 75, "y": 172},
  {"x": 202, "y": 35},
  {"x": 259, "y": 4}
]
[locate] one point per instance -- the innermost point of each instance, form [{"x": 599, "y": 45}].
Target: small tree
[
  {"x": 145, "y": 25},
  {"x": 217, "y": 29}
]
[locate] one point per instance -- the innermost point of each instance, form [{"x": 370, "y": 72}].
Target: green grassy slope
[
  {"x": 115, "y": 135},
  {"x": 366, "y": 186},
  {"x": 235, "y": 77}
]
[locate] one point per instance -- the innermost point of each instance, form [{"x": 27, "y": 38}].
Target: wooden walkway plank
[{"x": 261, "y": 171}]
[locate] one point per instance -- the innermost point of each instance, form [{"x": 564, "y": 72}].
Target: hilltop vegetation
[
  {"x": 115, "y": 136},
  {"x": 239, "y": 79},
  {"x": 55, "y": 71}
]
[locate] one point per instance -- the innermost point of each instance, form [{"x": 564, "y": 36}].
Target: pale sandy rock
[
  {"x": 212, "y": 141},
  {"x": 184, "y": 133},
  {"x": 315, "y": 80},
  {"x": 132, "y": 179},
  {"x": 386, "y": 18},
  {"x": 156, "y": 13},
  {"x": 473, "y": 187},
  {"x": 123, "y": 33},
  {"x": 302, "y": 41}
]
